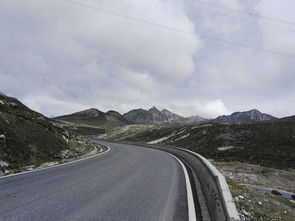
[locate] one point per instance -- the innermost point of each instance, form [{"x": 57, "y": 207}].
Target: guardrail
[{"x": 219, "y": 200}]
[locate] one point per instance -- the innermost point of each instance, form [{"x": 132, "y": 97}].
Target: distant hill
[
  {"x": 27, "y": 137},
  {"x": 153, "y": 116},
  {"x": 268, "y": 143},
  {"x": 243, "y": 117},
  {"x": 94, "y": 117},
  {"x": 290, "y": 118}
]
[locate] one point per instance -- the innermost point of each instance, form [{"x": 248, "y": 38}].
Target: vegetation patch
[
  {"x": 270, "y": 143},
  {"x": 28, "y": 138}
]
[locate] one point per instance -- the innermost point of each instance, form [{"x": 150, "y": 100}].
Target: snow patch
[
  {"x": 182, "y": 137},
  {"x": 2, "y": 102},
  {"x": 225, "y": 148},
  {"x": 180, "y": 132},
  {"x": 160, "y": 140}
]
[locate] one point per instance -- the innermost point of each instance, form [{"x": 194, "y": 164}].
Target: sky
[{"x": 189, "y": 56}]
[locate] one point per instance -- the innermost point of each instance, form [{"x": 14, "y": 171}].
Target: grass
[
  {"x": 30, "y": 137},
  {"x": 270, "y": 144}
]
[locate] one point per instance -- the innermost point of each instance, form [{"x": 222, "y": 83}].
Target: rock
[
  {"x": 3, "y": 164},
  {"x": 245, "y": 212},
  {"x": 65, "y": 139},
  {"x": 241, "y": 197},
  {"x": 2, "y": 138}
]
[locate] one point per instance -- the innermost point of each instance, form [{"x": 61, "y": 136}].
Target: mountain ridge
[
  {"x": 164, "y": 117},
  {"x": 95, "y": 117},
  {"x": 154, "y": 116},
  {"x": 241, "y": 117}
]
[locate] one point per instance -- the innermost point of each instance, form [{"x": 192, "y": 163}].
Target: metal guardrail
[
  {"x": 219, "y": 200},
  {"x": 218, "y": 197},
  {"x": 216, "y": 191}
]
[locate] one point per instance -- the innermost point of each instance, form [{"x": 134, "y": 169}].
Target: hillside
[
  {"x": 243, "y": 117},
  {"x": 94, "y": 117},
  {"x": 270, "y": 143},
  {"x": 27, "y": 137}
]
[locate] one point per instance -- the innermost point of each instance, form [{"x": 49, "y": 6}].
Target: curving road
[{"x": 126, "y": 183}]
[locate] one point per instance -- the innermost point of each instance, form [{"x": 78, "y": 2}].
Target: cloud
[
  {"x": 72, "y": 52},
  {"x": 60, "y": 57},
  {"x": 50, "y": 106}
]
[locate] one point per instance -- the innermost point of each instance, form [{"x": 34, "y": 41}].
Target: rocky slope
[
  {"x": 253, "y": 205},
  {"x": 172, "y": 117},
  {"x": 243, "y": 117},
  {"x": 141, "y": 116},
  {"x": 27, "y": 137},
  {"x": 157, "y": 117}
]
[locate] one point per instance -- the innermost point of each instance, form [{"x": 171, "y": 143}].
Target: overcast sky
[{"x": 58, "y": 57}]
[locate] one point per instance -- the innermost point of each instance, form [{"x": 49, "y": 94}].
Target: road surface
[{"x": 126, "y": 183}]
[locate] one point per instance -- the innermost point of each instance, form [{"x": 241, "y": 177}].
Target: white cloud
[
  {"x": 51, "y": 106},
  {"x": 61, "y": 57},
  {"x": 215, "y": 107}
]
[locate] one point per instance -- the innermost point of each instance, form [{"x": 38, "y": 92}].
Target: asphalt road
[{"x": 126, "y": 183}]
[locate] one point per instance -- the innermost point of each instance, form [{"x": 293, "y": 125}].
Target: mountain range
[
  {"x": 28, "y": 137},
  {"x": 164, "y": 117},
  {"x": 154, "y": 116}
]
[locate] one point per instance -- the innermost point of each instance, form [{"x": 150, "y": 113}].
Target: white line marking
[
  {"x": 190, "y": 199},
  {"x": 58, "y": 165}
]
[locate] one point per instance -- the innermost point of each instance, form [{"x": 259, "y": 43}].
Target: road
[{"x": 126, "y": 183}]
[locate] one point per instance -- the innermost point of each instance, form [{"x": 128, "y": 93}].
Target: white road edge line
[
  {"x": 58, "y": 165},
  {"x": 190, "y": 199}
]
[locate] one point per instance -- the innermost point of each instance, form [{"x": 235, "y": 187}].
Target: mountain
[
  {"x": 192, "y": 120},
  {"x": 27, "y": 137},
  {"x": 171, "y": 116},
  {"x": 266, "y": 143},
  {"x": 164, "y": 117},
  {"x": 94, "y": 117},
  {"x": 243, "y": 117},
  {"x": 141, "y": 116},
  {"x": 116, "y": 119},
  {"x": 157, "y": 116}
]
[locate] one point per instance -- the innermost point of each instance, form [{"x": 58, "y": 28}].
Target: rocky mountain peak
[
  {"x": 244, "y": 117},
  {"x": 154, "y": 108}
]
